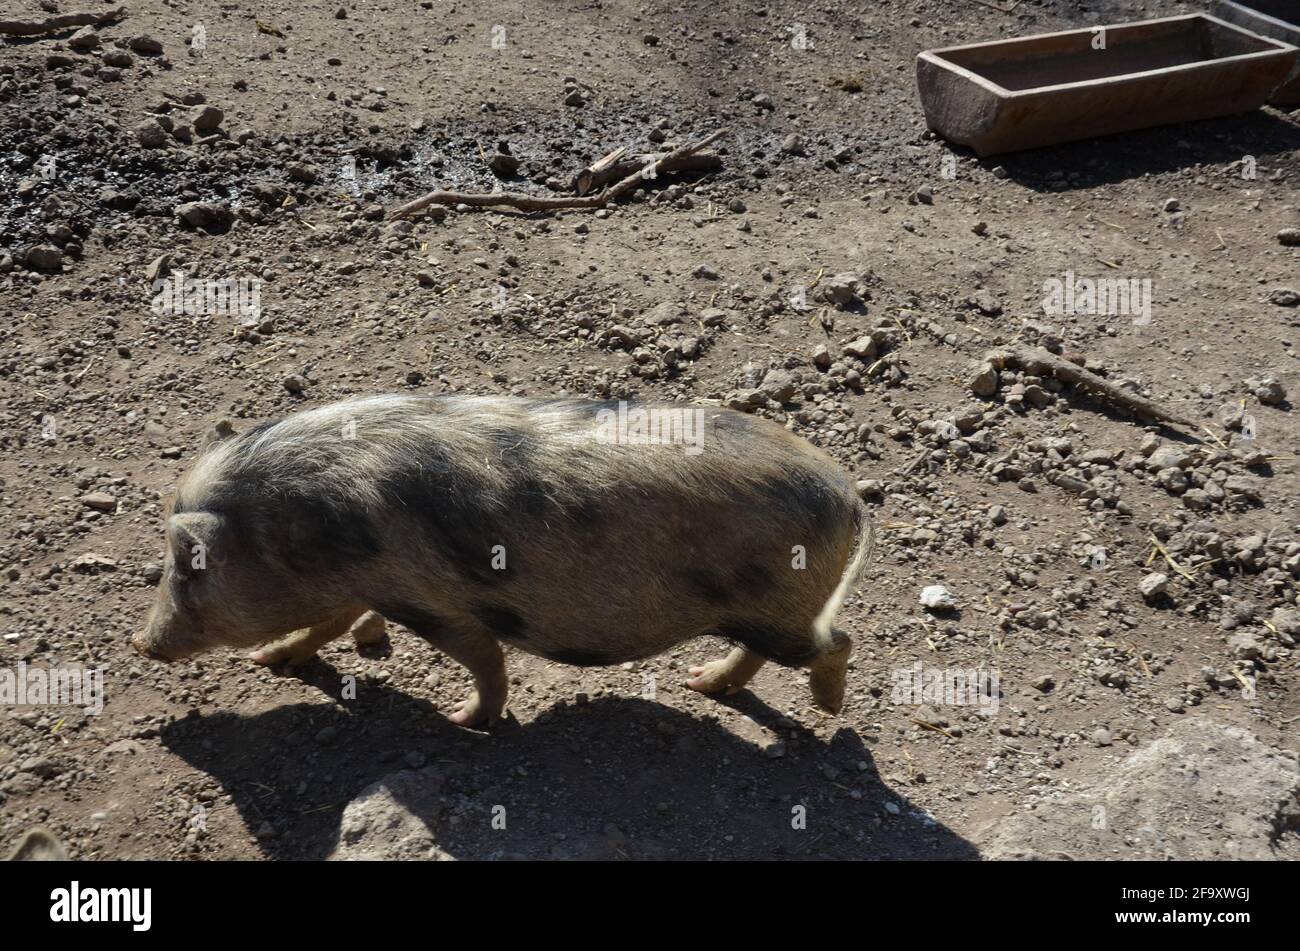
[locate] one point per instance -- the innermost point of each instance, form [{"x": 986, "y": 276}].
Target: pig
[{"x": 585, "y": 532}]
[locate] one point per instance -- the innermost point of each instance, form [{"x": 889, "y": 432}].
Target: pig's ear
[
  {"x": 218, "y": 431},
  {"x": 195, "y": 541}
]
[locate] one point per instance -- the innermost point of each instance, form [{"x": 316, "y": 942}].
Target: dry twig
[{"x": 546, "y": 203}]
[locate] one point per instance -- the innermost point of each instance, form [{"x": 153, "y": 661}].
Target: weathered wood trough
[
  {"x": 1279, "y": 19},
  {"x": 1034, "y": 91}
]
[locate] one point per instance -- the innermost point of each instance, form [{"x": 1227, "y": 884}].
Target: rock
[
  {"x": 1170, "y": 455},
  {"x": 987, "y": 304},
  {"x": 1101, "y": 736},
  {"x": 923, "y": 196},
  {"x": 393, "y": 819},
  {"x": 840, "y": 290},
  {"x": 821, "y": 357},
  {"x": 206, "y": 118},
  {"x": 1153, "y": 585},
  {"x": 869, "y": 488},
  {"x": 936, "y": 597},
  {"x": 704, "y": 272},
  {"x": 575, "y": 98},
  {"x": 118, "y": 59},
  {"x": 1286, "y": 620},
  {"x": 209, "y": 215},
  {"x": 294, "y": 383},
  {"x": 158, "y": 268},
  {"x": 864, "y": 348},
  {"x": 1287, "y": 236},
  {"x": 1202, "y": 791},
  {"x": 91, "y": 563},
  {"x": 793, "y": 144},
  {"x": 303, "y": 172},
  {"x": 1244, "y": 645},
  {"x": 145, "y": 45},
  {"x": 150, "y": 133},
  {"x": 1243, "y": 486},
  {"x": 984, "y": 381},
  {"x": 623, "y": 338},
  {"x": 1284, "y": 297},
  {"x": 503, "y": 164},
  {"x": 778, "y": 385},
  {"x": 1172, "y": 205},
  {"x": 44, "y": 257},
  {"x": 666, "y": 313},
  {"x": 99, "y": 501},
  {"x": 1098, "y": 457},
  {"x": 87, "y": 39},
  {"x": 1268, "y": 391}
]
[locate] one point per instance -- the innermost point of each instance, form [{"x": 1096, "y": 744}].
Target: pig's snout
[{"x": 145, "y": 647}]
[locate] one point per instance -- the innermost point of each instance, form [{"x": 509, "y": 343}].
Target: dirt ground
[{"x": 836, "y": 214}]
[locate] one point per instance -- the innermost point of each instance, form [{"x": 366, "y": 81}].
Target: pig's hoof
[
  {"x": 717, "y": 676},
  {"x": 475, "y": 713},
  {"x": 827, "y": 690},
  {"x": 369, "y": 631},
  {"x": 287, "y": 652}
]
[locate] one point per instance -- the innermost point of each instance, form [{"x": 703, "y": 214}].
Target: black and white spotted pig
[{"x": 477, "y": 521}]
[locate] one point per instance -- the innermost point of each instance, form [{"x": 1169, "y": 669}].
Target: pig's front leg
[
  {"x": 481, "y": 653},
  {"x": 727, "y": 675},
  {"x": 301, "y": 646}
]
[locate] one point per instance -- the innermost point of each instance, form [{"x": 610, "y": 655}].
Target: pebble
[
  {"x": 936, "y": 597},
  {"x": 99, "y": 501},
  {"x": 1153, "y": 585}
]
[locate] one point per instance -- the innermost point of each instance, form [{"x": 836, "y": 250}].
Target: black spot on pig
[
  {"x": 308, "y": 535},
  {"x": 810, "y": 497},
  {"x": 753, "y": 580},
  {"x": 706, "y": 584},
  {"x": 747, "y": 582},
  {"x": 502, "y": 621},
  {"x": 530, "y": 497},
  {"x": 456, "y": 512},
  {"x": 320, "y": 537},
  {"x": 786, "y": 647}
]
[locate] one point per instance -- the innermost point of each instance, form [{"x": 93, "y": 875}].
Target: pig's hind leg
[
  {"x": 726, "y": 675},
  {"x": 301, "y": 646},
  {"x": 828, "y": 671}
]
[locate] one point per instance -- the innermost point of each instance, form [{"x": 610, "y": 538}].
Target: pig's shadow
[{"x": 613, "y": 778}]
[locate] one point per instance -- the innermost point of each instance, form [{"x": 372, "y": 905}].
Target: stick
[
  {"x": 1040, "y": 362},
  {"x": 535, "y": 203},
  {"x": 1170, "y": 559},
  {"x": 591, "y": 178},
  {"x": 584, "y": 181},
  {"x": 61, "y": 21}
]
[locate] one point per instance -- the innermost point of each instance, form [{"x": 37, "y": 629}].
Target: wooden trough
[
  {"x": 1024, "y": 93},
  {"x": 1279, "y": 19}
]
